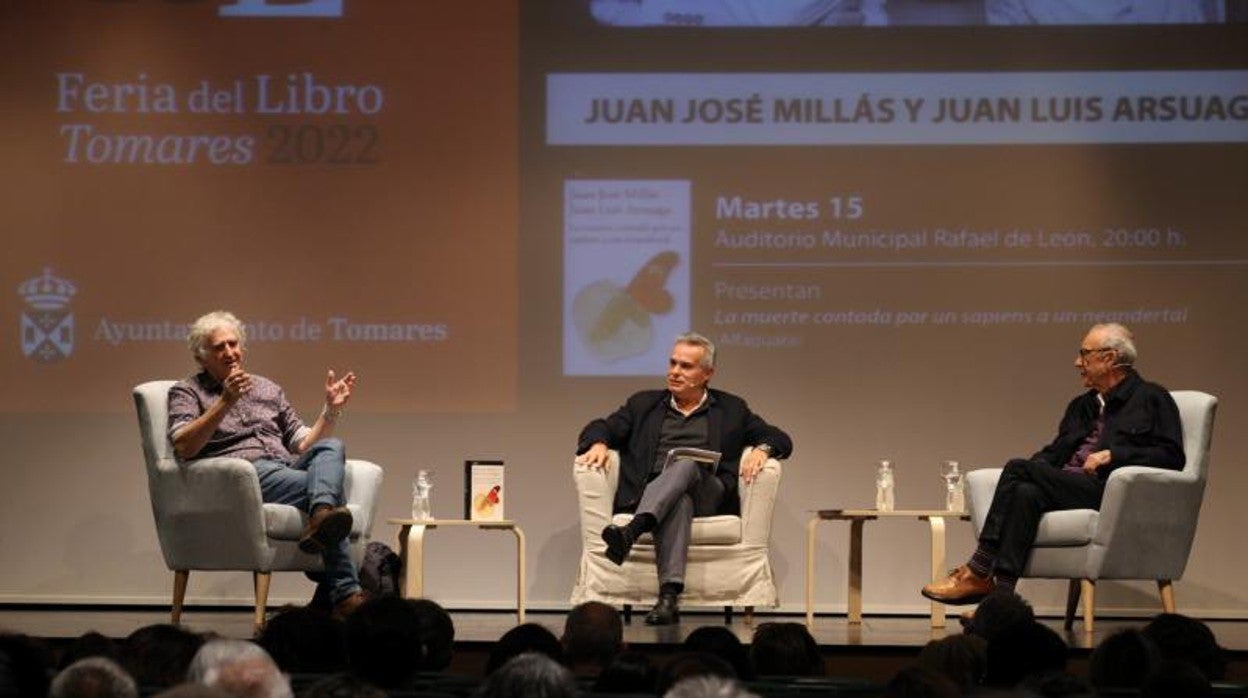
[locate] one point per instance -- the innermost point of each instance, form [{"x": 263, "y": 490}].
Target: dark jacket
[
  {"x": 634, "y": 428},
  {"x": 1142, "y": 427}
]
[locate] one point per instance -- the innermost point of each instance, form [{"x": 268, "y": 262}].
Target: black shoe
[
  {"x": 619, "y": 540},
  {"x": 665, "y": 612}
]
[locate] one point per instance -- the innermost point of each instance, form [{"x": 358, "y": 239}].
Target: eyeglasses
[{"x": 1083, "y": 353}]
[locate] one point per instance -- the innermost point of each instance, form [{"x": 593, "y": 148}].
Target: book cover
[{"x": 484, "y": 492}]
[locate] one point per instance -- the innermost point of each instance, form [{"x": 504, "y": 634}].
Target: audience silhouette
[{"x": 393, "y": 647}]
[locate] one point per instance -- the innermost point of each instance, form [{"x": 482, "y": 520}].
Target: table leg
[
  {"x": 855, "y": 571},
  {"x": 810, "y": 571},
  {"x": 937, "y": 524},
  {"x": 412, "y": 553},
  {"x": 519, "y": 573}
]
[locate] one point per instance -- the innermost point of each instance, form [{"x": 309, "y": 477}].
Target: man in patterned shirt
[{"x": 225, "y": 411}]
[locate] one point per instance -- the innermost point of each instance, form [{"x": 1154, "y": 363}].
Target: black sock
[
  {"x": 672, "y": 588},
  {"x": 642, "y": 523}
]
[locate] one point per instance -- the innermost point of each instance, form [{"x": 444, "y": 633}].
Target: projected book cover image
[
  {"x": 484, "y": 493},
  {"x": 626, "y": 274}
]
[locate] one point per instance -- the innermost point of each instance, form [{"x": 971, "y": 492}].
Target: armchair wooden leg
[
  {"x": 749, "y": 616},
  {"x": 1089, "y": 604},
  {"x": 262, "y": 580},
  {"x": 628, "y": 613},
  {"x": 727, "y": 615},
  {"x": 1072, "y": 603},
  {"x": 1166, "y": 587},
  {"x": 180, "y": 579}
]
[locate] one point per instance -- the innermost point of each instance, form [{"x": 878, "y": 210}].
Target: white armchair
[
  {"x": 729, "y": 564},
  {"x": 209, "y": 515},
  {"x": 1144, "y": 529}
]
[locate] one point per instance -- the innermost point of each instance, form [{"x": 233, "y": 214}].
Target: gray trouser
[{"x": 682, "y": 491}]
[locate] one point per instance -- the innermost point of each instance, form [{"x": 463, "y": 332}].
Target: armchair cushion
[
  {"x": 722, "y": 529},
  {"x": 1073, "y": 527}
]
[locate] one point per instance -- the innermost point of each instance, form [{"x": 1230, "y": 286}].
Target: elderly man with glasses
[{"x": 1121, "y": 420}]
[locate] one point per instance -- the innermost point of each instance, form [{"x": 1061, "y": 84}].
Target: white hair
[
  {"x": 1120, "y": 339},
  {"x": 204, "y": 325},
  {"x": 98, "y": 677},
  {"x": 697, "y": 340},
  {"x": 708, "y": 687},
  {"x": 240, "y": 667}
]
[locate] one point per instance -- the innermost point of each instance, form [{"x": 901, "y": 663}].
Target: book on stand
[{"x": 484, "y": 493}]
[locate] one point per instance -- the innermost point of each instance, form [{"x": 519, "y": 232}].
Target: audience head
[
  {"x": 304, "y": 641},
  {"x": 90, "y": 644},
  {"x": 708, "y": 687},
  {"x": 240, "y": 668},
  {"x": 530, "y": 675},
  {"x": 687, "y": 664},
  {"x": 593, "y": 635},
  {"x": 918, "y": 682},
  {"x": 999, "y": 610},
  {"x": 785, "y": 649},
  {"x": 723, "y": 643},
  {"x": 1056, "y": 684},
  {"x": 343, "y": 686},
  {"x": 193, "y": 690},
  {"x": 93, "y": 677},
  {"x": 629, "y": 672},
  {"x": 24, "y": 665},
  {"x": 963, "y": 659},
  {"x": 529, "y": 637},
  {"x": 1021, "y": 650},
  {"x": 437, "y": 634},
  {"x": 157, "y": 656},
  {"x": 1173, "y": 677},
  {"x": 390, "y": 640},
  {"x": 1122, "y": 660},
  {"x": 1182, "y": 638}
]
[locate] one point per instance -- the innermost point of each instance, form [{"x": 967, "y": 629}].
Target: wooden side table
[
  {"x": 412, "y": 552},
  {"x": 857, "y": 518}
]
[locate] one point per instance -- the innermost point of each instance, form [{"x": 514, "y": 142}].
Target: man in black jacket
[
  {"x": 1122, "y": 420},
  {"x": 665, "y": 499}
]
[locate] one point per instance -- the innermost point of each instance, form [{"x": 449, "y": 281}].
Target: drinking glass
[{"x": 955, "y": 487}]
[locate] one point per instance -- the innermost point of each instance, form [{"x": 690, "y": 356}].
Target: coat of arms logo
[{"x": 47, "y": 321}]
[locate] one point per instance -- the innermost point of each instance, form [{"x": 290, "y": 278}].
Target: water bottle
[
  {"x": 884, "y": 486},
  {"x": 421, "y": 487},
  {"x": 955, "y": 486}
]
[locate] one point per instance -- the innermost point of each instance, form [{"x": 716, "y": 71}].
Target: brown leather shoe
[
  {"x": 327, "y": 526},
  {"x": 347, "y": 606},
  {"x": 962, "y": 586}
]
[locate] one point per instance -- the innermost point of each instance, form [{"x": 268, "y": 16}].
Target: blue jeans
[{"x": 315, "y": 478}]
